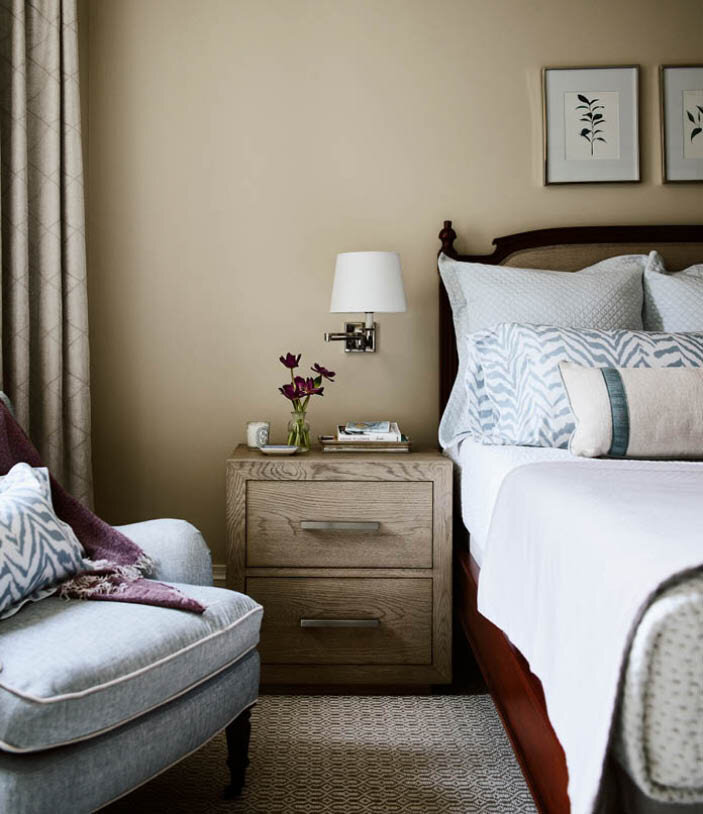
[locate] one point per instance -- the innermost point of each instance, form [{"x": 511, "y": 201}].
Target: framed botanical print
[
  {"x": 681, "y": 98},
  {"x": 591, "y": 124}
]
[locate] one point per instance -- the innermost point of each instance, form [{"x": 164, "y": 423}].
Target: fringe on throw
[{"x": 105, "y": 577}]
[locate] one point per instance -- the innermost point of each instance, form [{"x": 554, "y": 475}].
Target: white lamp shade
[{"x": 368, "y": 281}]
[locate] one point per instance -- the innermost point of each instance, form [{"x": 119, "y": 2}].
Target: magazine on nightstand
[{"x": 366, "y": 436}]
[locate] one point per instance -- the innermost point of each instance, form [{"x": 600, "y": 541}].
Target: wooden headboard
[{"x": 564, "y": 249}]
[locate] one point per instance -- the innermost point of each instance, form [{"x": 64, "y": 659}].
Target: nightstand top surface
[{"x": 421, "y": 454}]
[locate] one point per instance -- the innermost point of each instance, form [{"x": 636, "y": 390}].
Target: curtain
[{"x": 44, "y": 348}]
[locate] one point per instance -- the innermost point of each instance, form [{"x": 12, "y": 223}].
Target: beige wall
[{"x": 235, "y": 146}]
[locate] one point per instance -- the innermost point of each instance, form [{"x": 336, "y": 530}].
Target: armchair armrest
[{"x": 177, "y": 548}]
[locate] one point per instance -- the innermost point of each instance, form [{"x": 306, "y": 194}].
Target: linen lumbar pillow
[
  {"x": 605, "y": 296},
  {"x": 672, "y": 302},
  {"x": 521, "y": 373},
  {"x": 37, "y": 550},
  {"x": 635, "y": 412}
]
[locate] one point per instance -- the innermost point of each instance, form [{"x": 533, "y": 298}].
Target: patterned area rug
[{"x": 354, "y": 755}]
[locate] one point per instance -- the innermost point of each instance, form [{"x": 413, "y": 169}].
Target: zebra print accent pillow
[
  {"x": 37, "y": 550},
  {"x": 521, "y": 373}
]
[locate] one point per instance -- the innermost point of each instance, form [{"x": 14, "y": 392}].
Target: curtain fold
[{"x": 43, "y": 294}]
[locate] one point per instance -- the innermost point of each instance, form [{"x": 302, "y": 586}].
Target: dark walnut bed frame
[{"x": 517, "y": 692}]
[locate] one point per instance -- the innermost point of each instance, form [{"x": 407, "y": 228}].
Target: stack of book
[{"x": 366, "y": 436}]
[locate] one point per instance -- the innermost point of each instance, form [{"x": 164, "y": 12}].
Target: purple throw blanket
[{"x": 118, "y": 564}]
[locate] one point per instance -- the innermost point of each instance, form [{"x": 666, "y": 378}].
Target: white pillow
[
  {"x": 605, "y": 296},
  {"x": 37, "y": 550},
  {"x": 672, "y": 302},
  {"x": 635, "y": 412}
]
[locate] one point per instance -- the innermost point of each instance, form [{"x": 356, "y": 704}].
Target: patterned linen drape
[{"x": 45, "y": 363}]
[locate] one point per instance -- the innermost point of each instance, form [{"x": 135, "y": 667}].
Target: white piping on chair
[
  {"x": 98, "y": 687},
  {"x": 6, "y": 747}
]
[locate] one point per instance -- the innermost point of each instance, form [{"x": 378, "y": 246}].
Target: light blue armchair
[{"x": 98, "y": 697}]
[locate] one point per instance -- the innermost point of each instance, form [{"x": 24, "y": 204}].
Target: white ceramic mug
[{"x": 258, "y": 433}]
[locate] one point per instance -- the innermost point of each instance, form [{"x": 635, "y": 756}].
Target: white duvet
[{"x": 573, "y": 557}]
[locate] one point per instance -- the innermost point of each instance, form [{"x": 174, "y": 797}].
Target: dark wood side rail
[{"x": 517, "y": 694}]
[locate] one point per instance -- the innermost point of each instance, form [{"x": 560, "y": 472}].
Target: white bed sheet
[{"x": 482, "y": 469}]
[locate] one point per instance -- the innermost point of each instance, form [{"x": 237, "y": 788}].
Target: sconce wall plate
[{"x": 357, "y": 337}]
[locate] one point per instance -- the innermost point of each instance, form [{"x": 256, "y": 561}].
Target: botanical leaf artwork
[
  {"x": 593, "y": 117},
  {"x": 695, "y": 116}
]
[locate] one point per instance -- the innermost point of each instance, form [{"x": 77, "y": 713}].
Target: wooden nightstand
[{"x": 350, "y": 555}]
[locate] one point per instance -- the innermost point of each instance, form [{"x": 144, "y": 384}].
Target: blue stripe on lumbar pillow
[
  {"x": 635, "y": 412},
  {"x": 618, "y": 412}
]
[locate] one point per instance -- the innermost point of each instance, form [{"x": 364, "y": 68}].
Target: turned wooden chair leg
[{"x": 237, "y": 734}]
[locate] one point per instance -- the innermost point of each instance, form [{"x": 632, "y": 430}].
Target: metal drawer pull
[
  {"x": 340, "y": 525},
  {"x": 340, "y": 623}
]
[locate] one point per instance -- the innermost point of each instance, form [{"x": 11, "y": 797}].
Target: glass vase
[{"x": 299, "y": 431}]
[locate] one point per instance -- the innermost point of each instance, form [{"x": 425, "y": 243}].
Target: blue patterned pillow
[
  {"x": 37, "y": 550},
  {"x": 521, "y": 373},
  {"x": 468, "y": 411}
]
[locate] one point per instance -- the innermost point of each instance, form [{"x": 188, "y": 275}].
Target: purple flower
[
  {"x": 289, "y": 391},
  {"x": 322, "y": 371},
  {"x": 290, "y": 360},
  {"x": 311, "y": 390},
  {"x": 300, "y": 388},
  {"x": 306, "y": 387}
]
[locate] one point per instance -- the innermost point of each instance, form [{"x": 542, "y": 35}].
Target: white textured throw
[{"x": 574, "y": 556}]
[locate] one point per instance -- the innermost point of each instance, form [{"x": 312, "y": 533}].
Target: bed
[{"x": 517, "y": 692}]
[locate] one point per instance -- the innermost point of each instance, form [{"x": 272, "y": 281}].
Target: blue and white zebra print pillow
[
  {"x": 37, "y": 550},
  {"x": 521, "y": 373}
]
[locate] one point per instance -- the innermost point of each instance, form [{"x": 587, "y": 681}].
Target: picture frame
[
  {"x": 590, "y": 119},
  {"x": 681, "y": 122}
]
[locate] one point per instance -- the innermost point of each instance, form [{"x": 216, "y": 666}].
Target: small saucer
[{"x": 278, "y": 449}]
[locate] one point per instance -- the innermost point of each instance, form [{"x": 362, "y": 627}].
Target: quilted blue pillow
[
  {"x": 672, "y": 301},
  {"x": 37, "y": 550},
  {"x": 521, "y": 373}
]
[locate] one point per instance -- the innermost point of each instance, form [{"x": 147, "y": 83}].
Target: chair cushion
[{"x": 71, "y": 670}]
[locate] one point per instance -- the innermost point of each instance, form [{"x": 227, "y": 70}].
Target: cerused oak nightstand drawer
[
  {"x": 341, "y": 524},
  {"x": 350, "y": 556},
  {"x": 344, "y": 621}
]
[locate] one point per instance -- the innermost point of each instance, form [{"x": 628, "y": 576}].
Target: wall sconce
[{"x": 365, "y": 282}]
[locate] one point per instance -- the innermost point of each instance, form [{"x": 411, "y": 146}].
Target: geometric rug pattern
[{"x": 441, "y": 754}]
